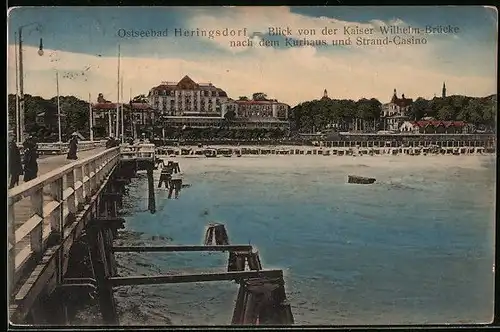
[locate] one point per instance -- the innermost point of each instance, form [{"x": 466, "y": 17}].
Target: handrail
[
  {"x": 52, "y": 175},
  {"x": 63, "y": 147},
  {"x": 55, "y": 198},
  {"x": 67, "y": 189}
]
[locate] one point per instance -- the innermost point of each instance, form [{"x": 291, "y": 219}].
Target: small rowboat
[{"x": 359, "y": 179}]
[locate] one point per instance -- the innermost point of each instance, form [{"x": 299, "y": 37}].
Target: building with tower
[
  {"x": 395, "y": 112},
  {"x": 443, "y": 93},
  {"x": 325, "y": 95}
]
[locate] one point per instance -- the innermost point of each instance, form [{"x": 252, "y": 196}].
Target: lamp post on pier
[{"x": 22, "y": 124}]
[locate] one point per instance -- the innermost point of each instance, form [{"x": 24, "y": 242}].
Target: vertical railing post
[
  {"x": 11, "y": 264},
  {"x": 86, "y": 184},
  {"x": 79, "y": 192},
  {"x": 93, "y": 176},
  {"x": 70, "y": 183},
  {"x": 56, "y": 220},
  {"x": 37, "y": 232}
]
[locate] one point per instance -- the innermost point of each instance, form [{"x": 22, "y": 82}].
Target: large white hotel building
[{"x": 201, "y": 105}]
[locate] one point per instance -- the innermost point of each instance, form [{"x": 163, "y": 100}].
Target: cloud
[{"x": 291, "y": 75}]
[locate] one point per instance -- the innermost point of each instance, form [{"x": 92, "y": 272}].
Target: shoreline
[{"x": 240, "y": 151}]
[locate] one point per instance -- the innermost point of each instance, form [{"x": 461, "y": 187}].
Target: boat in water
[{"x": 360, "y": 179}]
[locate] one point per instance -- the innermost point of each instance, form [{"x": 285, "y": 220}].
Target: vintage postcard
[{"x": 251, "y": 165}]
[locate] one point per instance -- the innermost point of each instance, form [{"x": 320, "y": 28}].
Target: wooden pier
[{"x": 79, "y": 203}]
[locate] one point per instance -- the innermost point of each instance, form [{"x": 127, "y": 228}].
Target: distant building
[
  {"x": 395, "y": 113},
  {"x": 262, "y": 113},
  {"x": 103, "y": 112},
  {"x": 435, "y": 127},
  {"x": 47, "y": 119},
  {"x": 187, "y": 98},
  {"x": 443, "y": 92}
]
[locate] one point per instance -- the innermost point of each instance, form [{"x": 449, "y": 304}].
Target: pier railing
[
  {"x": 63, "y": 147},
  {"x": 40, "y": 209},
  {"x": 138, "y": 151}
]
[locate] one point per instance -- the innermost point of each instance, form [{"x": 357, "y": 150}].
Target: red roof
[
  {"x": 105, "y": 106},
  {"x": 186, "y": 83},
  {"x": 437, "y": 123},
  {"x": 255, "y": 101},
  {"x": 138, "y": 106}
]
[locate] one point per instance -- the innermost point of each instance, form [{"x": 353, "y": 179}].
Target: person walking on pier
[
  {"x": 30, "y": 159},
  {"x": 175, "y": 166},
  {"x": 73, "y": 147},
  {"x": 15, "y": 164},
  {"x": 165, "y": 177},
  {"x": 175, "y": 185}
]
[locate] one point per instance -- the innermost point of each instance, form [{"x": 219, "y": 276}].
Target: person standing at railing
[
  {"x": 15, "y": 164},
  {"x": 30, "y": 159},
  {"x": 73, "y": 147}
]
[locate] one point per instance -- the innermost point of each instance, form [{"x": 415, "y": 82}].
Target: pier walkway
[{"x": 47, "y": 163}]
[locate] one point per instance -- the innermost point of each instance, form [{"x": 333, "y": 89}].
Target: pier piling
[
  {"x": 102, "y": 273},
  {"x": 151, "y": 191},
  {"x": 262, "y": 301},
  {"x": 238, "y": 260},
  {"x": 216, "y": 235}
]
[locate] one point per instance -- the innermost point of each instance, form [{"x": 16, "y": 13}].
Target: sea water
[{"x": 415, "y": 247}]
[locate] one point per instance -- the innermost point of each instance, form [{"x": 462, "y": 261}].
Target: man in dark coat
[
  {"x": 15, "y": 164},
  {"x": 109, "y": 142},
  {"x": 73, "y": 146},
  {"x": 30, "y": 160}
]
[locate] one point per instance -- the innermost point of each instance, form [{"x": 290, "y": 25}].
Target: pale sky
[{"x": 82, "y": 42}]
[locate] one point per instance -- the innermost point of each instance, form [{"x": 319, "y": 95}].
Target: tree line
[
  {"x": 309, "y": 116},
  {"x": 316, "y": 115},
  {"x": 74, "y": 116}
]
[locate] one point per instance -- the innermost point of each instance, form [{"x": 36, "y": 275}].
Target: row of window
[
  {"x": 206, "y": 93},
  {"x": 189, "y": 100}
]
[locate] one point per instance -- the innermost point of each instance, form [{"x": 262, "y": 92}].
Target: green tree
[
  {"x": 446, "y": 113},
  {"x": 418, "y": 109},
  {"x": 259, "y": 96}
]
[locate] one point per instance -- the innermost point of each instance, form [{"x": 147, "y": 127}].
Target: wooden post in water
[
  {"x": 101, "y": 273},
  {"x": 216, "y": 234},
  {"x": 151, "y": 191},
  {"x": 238, "y": 259},
  {"x": 262, "y": 301}
]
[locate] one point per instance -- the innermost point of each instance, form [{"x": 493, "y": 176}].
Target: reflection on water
[{"x": 415, "y": 247}]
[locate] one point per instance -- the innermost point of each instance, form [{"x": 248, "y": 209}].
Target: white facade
[
  {"x": 394, "y": 113},
  {"x": 409, "y": 127},
  {"x": 257, "y": 109},
  {"x": 187, "y": 98}
]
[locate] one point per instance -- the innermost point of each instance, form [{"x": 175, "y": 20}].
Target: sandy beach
[{"x": 195, "y": 164}]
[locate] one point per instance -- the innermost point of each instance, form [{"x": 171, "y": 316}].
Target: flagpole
[
  {"x": 132, "y": 121},
  {"x": 109, "y": 124},
  {"x": 91, "y": 120},
  {"x": 18, "y": 136},
  {"x": 123, "y": 125},
  {"x": 118, "y": 96},
  {"x": 58, "y": 108}
]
